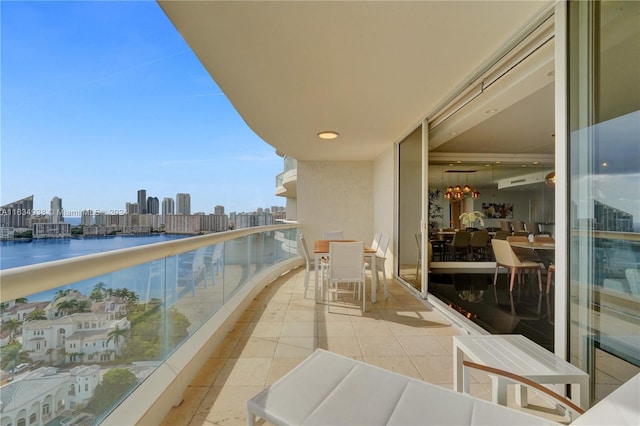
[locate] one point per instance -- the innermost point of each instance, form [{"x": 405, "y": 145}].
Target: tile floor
[{"x": 282, "y": 326}]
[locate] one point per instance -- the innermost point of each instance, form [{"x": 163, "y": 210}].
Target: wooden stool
[{"x": 550, "y": 271}]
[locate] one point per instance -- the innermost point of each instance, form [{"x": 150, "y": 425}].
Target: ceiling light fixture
[
  {"x": 550, "y": 179},
  {"x": 491, "y": 111},
  {"x": 328, "y": 135}
]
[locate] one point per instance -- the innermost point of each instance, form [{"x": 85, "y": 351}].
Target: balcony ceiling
[{"x": 368, "y": 70}]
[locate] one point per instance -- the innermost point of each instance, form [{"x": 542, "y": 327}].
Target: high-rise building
[
  {"x": 183, "y": 203},
  {"x": 15, "y": 214},
  {"x": 168, "y": 207},
  {"x": 153, "y": 205},
  {"x": 142, "y": 201},
  {"x": 86, "y": 218},
  {"x": 132, "y": 208},
  {"x": 218, "y": 210},
  {"x": 56, "y": 210}
]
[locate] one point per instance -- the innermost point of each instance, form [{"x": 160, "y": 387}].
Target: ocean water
[{"x": 16, "y": 253}]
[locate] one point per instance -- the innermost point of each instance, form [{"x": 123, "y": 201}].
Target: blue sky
[{"x": 100, "y": 99}]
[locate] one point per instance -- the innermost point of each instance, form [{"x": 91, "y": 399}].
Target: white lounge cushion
[
  {"x": 621, "y": 407},
  {"x": 330, "y": 389}
]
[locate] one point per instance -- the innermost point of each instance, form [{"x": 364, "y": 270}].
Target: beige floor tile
[
  {"x": 335, "y": 329},
  {"x": 402, "y": 365},
  {"x": 299, "y": 329},
  {"x": 229, "y": 404},
  {"x": 415, "y": 328},
  {"x": 225, "y": 347},
  {"x": 347, "y": 346},
  {"x": 264, "y": 329},
  {"x": 244, "y": 371},
  {"x": 421, "y": 346},
  {"x": 209, "y": 372},
  {"x": 372, "y": 328},
  {"x": 295, "y": 347},
  {"x": 435, "y": 369},
  {"x": 379, "y": 346},
  {"x": 255, "y": 347},
  {"x": 281, "y": 366},
  {"x": 296, "y": 315},
  {"x": 270, "y": 315},
  {"x": 182, "y": 414}
]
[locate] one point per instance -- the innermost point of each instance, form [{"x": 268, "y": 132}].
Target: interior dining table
[
  {"x": 546, "y": 251},
  {"x": 321, "y": 250}
]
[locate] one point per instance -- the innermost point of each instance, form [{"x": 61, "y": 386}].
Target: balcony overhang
[{"x": 368, "y": 70}]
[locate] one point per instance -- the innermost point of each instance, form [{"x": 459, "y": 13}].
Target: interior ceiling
[{"x": 368, "y": 70}]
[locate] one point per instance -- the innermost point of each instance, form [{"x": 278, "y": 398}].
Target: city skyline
[{"x": 124, "y": 104}]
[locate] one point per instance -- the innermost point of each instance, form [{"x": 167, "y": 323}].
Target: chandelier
[{"x": 458, "y": 192}]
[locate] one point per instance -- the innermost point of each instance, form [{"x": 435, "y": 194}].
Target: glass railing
[{"x": 96, "y": 327}]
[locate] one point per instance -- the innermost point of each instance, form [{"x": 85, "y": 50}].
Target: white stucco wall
[{"x": 336, "y": 196}]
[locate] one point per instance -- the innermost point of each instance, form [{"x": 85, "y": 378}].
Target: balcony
[
  {"x": 286, "y": 182},
  {"x": 239, "y": 298}
]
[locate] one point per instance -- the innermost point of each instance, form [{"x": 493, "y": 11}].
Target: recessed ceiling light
[
  {"x": 536, "y": 162},
  {"x": 605, "y": 164},
  {"x": 524, "y": 165},
  {"x": 492, "y": 111},
  {"x": 487, "y": 165},
  {"x": 459, "y": 161},
  {"x": 328, "y": 135},
  {"x": 498, "y": 162},
  {"x": 453, "y": 133}
]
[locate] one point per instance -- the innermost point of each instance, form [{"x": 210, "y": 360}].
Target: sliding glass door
[{"x": 604, "y": 193}]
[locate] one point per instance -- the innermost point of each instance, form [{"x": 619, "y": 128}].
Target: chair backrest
[
  {"x": 332, "y": 235},
  {"x": 533, "y": 227},
  {"x": 305, "y": 249},
  {"x": 479, "y": 238},
  {"x": 504, "y": 253},
  {"x": 381, "y": 250},
  {"x": 505, "y": 225},
  {"x": 376, "y": 241},
  {"x": 518, "y": 225},
  {"x": 461, "y": 239},
  {"x": 521, "y": 233},
  {"x": 345, "y": 261},
  {"x": 543, "y": 239},
  {"x": 501, "y": 235}
]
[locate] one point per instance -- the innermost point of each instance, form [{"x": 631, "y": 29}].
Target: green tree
[
  {"x": 36, "y": 314},
  {"x": 115, "y": 384},
  {"x": 12, "y": 326},
  {"x": 61, "y": 293},
  {"x": 116, "y": 334}
]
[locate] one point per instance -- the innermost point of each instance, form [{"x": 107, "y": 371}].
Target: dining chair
[
  {"x": 310, "y": 267},
  {"x": 517, "y": 225},
  {"x": 376, "y": 241},
  {"x": 505, "y": 225},
  {"x": 459, "y": 246},
  {"x": 506, "y": 258},
  {"x": 332, "y": 235},
  {"x": 346, "y": 266},
  {"x": 501, "y": 235},
  {"x": 533, "y": 227},
  {"x": 521, "y": 233},
  {"x": 478, "y": 244},
  {"x": 381, "y": 257}
]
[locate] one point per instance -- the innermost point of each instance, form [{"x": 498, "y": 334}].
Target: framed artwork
[{"x": 497, "y": 210}]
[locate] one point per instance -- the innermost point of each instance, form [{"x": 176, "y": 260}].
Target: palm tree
[
  {"x": 12, "y": 325},
  {"x": 61, "y": 293},
  {"x": 116, "y": 334},
  {"x": 36, "y": 314}
]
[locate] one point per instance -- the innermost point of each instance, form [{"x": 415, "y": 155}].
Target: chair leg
[
  {"x": 549, "y": 274},
  {"x": 384, "y": 282},
  {"x": 495, "y": 276},
  {"x": 306, "y": 282},
  {"x": 539, "y": 280},
  {"x": 513, "y": 277}
]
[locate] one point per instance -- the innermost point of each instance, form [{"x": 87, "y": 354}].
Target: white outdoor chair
[
  {"x": 332, "y": 235},
  {"x": 376, "y": 241},
  {"x": 311, "y": 266},
  {"x": 346, "y": 266},
  {"x": 381, "y": 257}
]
